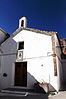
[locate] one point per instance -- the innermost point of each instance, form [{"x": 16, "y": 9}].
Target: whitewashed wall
[
  {"x": 7, "y": 57},
  {"x": 6, "y": 64},
  {"x": 59, "y": 64},
  {"x": 37, "y": 48},
  {"x": 35, "y": 44}
]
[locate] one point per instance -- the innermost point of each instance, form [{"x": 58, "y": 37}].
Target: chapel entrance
[{"x": 20, "y": 74}]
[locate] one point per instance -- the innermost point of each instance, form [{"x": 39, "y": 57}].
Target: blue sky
[{"x": 49, "y": 15}]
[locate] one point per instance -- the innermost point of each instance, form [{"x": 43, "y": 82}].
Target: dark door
[{"x": 21, "y": 74}]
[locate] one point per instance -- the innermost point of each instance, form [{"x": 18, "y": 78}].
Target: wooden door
[{"x": 21, "y": 74}]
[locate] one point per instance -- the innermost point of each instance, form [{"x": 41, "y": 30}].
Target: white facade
[
  {"x": 37, "y": 53},
  {"x": 59, "y": 63}
]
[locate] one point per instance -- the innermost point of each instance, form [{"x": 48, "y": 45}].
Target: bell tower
[{"x": 23, "y": 22}]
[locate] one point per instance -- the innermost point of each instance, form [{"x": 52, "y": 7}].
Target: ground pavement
[
  {"x": 60, "y": 95},
  {"x": 31, "y": 95},
  {"x": 26, "y": 96}
]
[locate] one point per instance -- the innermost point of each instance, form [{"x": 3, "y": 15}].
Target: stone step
[
  {"x": 14, "y": 93},
  {"x": 19, "y": 89}
]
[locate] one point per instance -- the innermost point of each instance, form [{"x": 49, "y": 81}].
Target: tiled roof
[
  {"x": 34, "y": 30},
  {"x": 4, "y": 31}
]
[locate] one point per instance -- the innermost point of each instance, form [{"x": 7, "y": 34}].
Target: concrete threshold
[
  {"x": 20, "y": 93},
  {"x": 14, "y": 93}
]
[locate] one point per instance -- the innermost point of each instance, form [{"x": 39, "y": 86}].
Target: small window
[
  {"x": 22, "y": 23},
  {"x": 21, "y": 45}
]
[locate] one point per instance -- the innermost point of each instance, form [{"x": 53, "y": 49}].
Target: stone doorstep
[
  {"x": 13, "y": 93},
  {"x": 8, "y": 94},
  {"x": 36, "y": 90},
  {"x": 18, "y": 89},
  {"x": 19, "y": 93}
]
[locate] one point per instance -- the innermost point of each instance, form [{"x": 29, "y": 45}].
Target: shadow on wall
[
  {"x": 43, "y": 87},
  {"x": 34, "y": 84},
  {"x": 64, "y": 73}
]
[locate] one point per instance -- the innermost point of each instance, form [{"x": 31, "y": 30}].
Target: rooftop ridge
[{"x": 35, "y": 30}]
